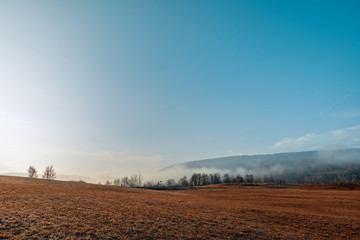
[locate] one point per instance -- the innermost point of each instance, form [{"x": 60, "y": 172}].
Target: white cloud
[
  {"x": 346, "y": 131},
  {"x": 345, "y": 137},
  {"x": 349, "y": 114},
  {"x": 300, "y": 140}
]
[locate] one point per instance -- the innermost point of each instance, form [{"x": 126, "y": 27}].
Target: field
[{"x": 38, "y": 209}]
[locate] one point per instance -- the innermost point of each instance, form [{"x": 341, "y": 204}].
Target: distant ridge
[{"x": 277, "y": 162}]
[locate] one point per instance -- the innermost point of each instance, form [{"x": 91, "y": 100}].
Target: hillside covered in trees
[{"x": 319, "y": 167}]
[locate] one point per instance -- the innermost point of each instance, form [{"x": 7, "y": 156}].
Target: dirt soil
[{"x": 40, "y": 209}]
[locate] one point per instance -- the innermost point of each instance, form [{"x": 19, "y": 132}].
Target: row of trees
[
  {"x": 200, "y": 179},
  {"x": 323, "y": 174},
  {"x": 319, "y": 175},
  {"x": 49, "y": 172},
  {"x": 197, "y": 179},
  {"x": 134, "y": 180}
]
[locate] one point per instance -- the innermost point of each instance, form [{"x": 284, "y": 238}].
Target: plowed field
[{"x": 38, "y": 209}]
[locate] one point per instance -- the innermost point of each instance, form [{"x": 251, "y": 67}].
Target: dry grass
[{"x": 38, "y": 209}]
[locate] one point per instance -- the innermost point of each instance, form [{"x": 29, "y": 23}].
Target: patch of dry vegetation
[{"x": 34, "y": 208}]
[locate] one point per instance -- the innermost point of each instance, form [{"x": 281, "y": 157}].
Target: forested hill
[
  {"x": 315, "y": 166},
  {"x": 269, "y": 161}
]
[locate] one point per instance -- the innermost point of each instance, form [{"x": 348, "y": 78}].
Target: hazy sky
[{"x": 120, "y": 87}]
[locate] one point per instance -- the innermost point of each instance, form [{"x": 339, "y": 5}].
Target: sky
[{"x": 111, "y": 88}]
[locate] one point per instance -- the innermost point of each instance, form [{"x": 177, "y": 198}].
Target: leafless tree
[
  {"x": 149, "y": 184},
  {"x": 227, "y": 178},
  {"x": 215, "y": 178},
  {"x": 140, "y": 179},
  {"x": 249, "y": 178},
  {"x": 170, "y": 183},
  {"x": 49, "y": 173},
  {"x": 239, "y": 178},
  {"x": 117, "y": 182},
  {"x": 133, "y": 180},
  {"x": 125, "y": 181},
  {"x": 183, "y": 181},
  {"x": 32, "y": 172},
  {"x": 205, "y": 179},
  {"x": 195, "y": 179},
  {"x": 107, "y": 182}
]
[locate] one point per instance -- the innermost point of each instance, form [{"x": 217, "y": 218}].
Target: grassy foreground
[{"x": 35, "y": 208}]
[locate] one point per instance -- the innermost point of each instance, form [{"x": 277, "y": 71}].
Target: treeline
[
  {"x": 325, "y": 174},
  {"x": 201, "y": 179},
  {"x": 319, "y": 174},
  {"x": 134, "y": 180}
]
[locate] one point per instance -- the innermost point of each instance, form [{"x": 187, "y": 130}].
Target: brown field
[{"x": 38, "y": 209}]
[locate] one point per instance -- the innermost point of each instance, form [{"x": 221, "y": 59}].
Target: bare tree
[
  {"x": 249, "y": 178},
  {"x": 195, "y": 179},
  {"x": 227, "y": 178},
  {"x": 183, "y": 181},
  {"x": 49, "y": 173},
  {"x": 108, "y": 182},
  {"x": 32, "y": 172},
  {"x": 133, "y": 181},
  {"x": 149, "y": 184},
  {"x": 170, "y": 183},
  {"x": 216, "y": 178},
  {"x": 239, "y": 178},
  {"x": 117, "y": 182},
  {"x": 140, "y": 179},
  {"x": 125, "y": 181},
  {"x": 205, "y": 179}
]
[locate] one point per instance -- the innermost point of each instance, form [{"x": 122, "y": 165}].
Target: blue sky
[{"x": 116, "y": 87}]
